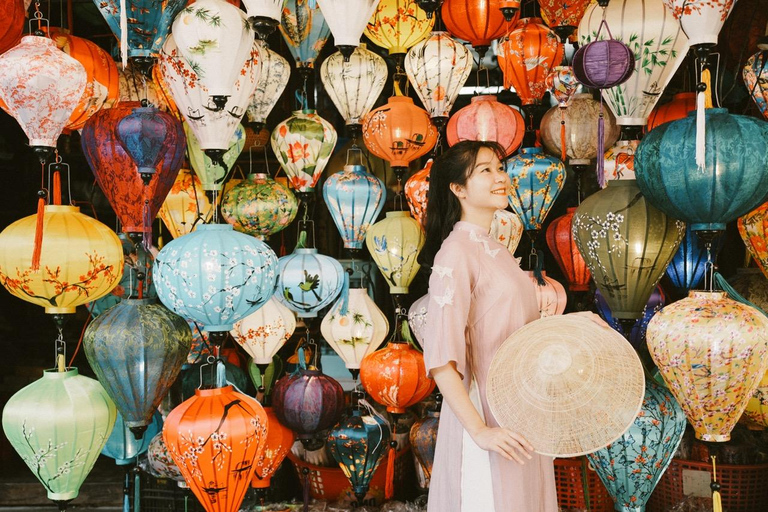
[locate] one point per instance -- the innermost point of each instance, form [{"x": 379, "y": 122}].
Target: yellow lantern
[
  {"x": 396, "y": 25},
  {"x": 81, "y": 260},
  {"x": 186, "y": 205},
  {"x": 394, "y": 244}
]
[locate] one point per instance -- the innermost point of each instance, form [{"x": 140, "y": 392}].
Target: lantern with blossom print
[
  {"x": 397, "y": 25},
  {"x": 264, "y": 331},
  {"x": 279, "y": 442},
  {"x": 416, "y": 190},
  {"x": 394, "y": 244},
  {"x": 259, "y": 206},
  {"x": 563, "y": 17}
]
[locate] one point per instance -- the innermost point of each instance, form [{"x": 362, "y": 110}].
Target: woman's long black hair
[{"x": 443, "y": 207}]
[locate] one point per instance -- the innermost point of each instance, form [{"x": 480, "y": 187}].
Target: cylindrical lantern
[
  {"x": 487, "y": 119},
  {"x": 394, "y": 244},
  {"x": 186, "y": 206},
  {"x": 308, "y": 281},
  {"x": 355, "y": 198},
  {"x": 550, "y": 295},
  {"x": 347, "y": 19},
  {"x": 274, "y": 76},
  {"x": 478, "y": 22},
  {"x": 264, "y": 331},
  {"x": 259, "y": 206},
  {"x": 305, "y": 32},
  {"x": 678, "y": 108},
  {"x": 279, "y": 442},
  {"x": 537, "y": 180},
  {"x": 397, "y": 25},
  {"x": 562, "y": 245}
]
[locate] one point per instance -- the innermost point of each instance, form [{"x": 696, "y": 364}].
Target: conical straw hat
[{"x": 567, "y": 385}]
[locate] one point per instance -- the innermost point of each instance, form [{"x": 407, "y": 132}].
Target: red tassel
[
  {"x": 38, "y": 248},
  {"x": 389, "y": 488},
  {"x": 57, "y": 188}
]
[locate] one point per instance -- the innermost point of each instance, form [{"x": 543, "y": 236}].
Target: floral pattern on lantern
[
  {"x": 487, "y": 119},
  {"x": 416, "y": 189},
  {"x": 274, "y": 76},
  {"x": 279, "y": 442},
  {"x": 507, "y": 229},
  {"x": 259, "y": 206},
  {"x": 753, "y": 228},
  {"x": 355, "y": 199},
  {"x": 186, "y": 205},
  {"x": 394, "y": 244},
  {"x": 537, "y": 180},
  {"x": 754, "y": 79},
  {"x": 160, "y": 463},
  {"x": 397, "y": 25},
  {"x": 563, "y": 17},
  {"x": 701, "y": 19},
  {"x": 562, "y": 83},
  {"x": 264, "y": 331},
  {"x": 417, "y": 318},
  {"x": 619, "y": 162},
  {"x": 305, "y": 31},
  {"x": 550, "y": 294},
  {"x": 562, "y": 245},
  {"x": 308, "y": 281}
]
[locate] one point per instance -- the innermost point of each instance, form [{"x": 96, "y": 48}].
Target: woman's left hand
[{"x": 592, "y": 316}]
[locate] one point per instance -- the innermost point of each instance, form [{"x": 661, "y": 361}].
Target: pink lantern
[
  {"x": 550, "y": 294},
  {"x": 487, "y": 119}
]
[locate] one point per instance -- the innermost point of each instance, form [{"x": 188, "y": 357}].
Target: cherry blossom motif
[
  {"x": 701, "y": 20},
  {"x": 264, "y": 331}
]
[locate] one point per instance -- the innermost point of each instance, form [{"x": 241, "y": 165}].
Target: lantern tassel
[
  {"x": 389, "y": 487},
  {"x": 123, "y": 34},
  {"x": 305, "y": 471},
  {"x": 38, "y": 247},
  {"x": 563, "y": 152},
  {"x": 344, "y": 308},
  {"x": 717, "y": 504},
  {"x": 56, "y": 188},
  {"x": 703, "y": 101}
]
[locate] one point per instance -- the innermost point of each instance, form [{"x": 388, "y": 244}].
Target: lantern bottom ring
[
  {"x": 631, "y": 121},
  {"x": 713, "y": 438},
  {"x": 704, "y": 226},
  {"x": 579, "y": 161}
]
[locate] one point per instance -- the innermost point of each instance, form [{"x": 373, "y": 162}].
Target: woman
[{"x": 478, "y": 297}]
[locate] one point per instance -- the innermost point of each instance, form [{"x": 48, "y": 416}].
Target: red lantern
[
  {"x": 476, "y": 21},
  {"x": 395, "y": 376},
  {"x": 215, "y": 438},
  {"x": 416, "y": 189},
  {"x": 279, "y": 442},
  {"x": 487, "y": 119},
  {"x": 563, "y": 247},
  {"x": 12, "y": 13},
  {"x": 678, "y": 108}
]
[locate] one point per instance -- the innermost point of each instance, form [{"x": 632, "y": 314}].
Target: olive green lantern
[
  {"x": 627, "y": 244},
  {"x": 259, "y": 206}
]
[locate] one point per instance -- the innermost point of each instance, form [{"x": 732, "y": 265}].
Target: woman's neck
[{"x": 482, "y": 218}]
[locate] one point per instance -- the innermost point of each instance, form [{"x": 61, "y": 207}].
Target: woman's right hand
[{"x": 508, "y": 444}]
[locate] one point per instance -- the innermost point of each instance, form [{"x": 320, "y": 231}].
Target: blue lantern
[
  {"x": 686, "y": 270},
  {"x": 537, "y": 180},
  {"x": 144, "y": 135},
  {"x": 355, "y": 198},
  {"x": 636, "y": 336},
  {"x": 308, "y": 281},
  {"x": 215, "y": 276},
  {"x": 123, "y": 446},
  {"x": 305, "y": 31},
  {"x": 631, "y": 466},
  {"x": 733, "y": 182}
]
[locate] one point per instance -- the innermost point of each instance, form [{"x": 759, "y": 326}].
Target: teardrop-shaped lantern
[
  {"x": 437, "y": 68},
  {"x": 147, "y": 134},
  {"x": 627, "y": 244},
  {"x": 562, "y": 245},
  {"x": 562, "y": 84},
  {"x": 14, "y": 13},
  {"x": 417, "y": 318},
  {"x": 416, "y": 190},
  {"x": 754, "y": 74},
  {"x": 136, "y": 350},
  {"x": 59, "y": 425},
  {"x": 40, "y": 87},
  {"x": 711, "y": 351},
  {"x": 397, "y": 25},
  {"x": 394, "y": 244},
  {"x": 160, "y": 463},
  {"x": 215, "y": 276},
  {"x": 507, "y": 229},
  {"x": 264, "y": 331},
  {"x": 354, "y": 84},
  {"x": 489, "y": 120},
  {"x": 753, "y": 228},
  {"x": 259, "y": 206},
  {"x": 274, "y": 76},
  {"x": 355, "y": 198},
  {"x": 550, "y": 294},
  {"x": 563, "y": 17},
  {"x": 263, "y": 15},
  {"x": 186, "y": 206},
  {"x": 305, "y": 32},
  {"x": 678, "y": 108},
  {"x": 279, "y": 442},
  {"x": 81, "y": 260},
  {"x": 211, "y": 172},
  {"x": 478, "y": 22},
  {"x": 123, "y": 446},
  {"x": 537, "y": 180},
  {"x": 637, "y": 333},
  {"x": 619, "y": 162},
  {"x": 347, "y": 19},
  {"x": 215, "y": 438},
  {"x": 689, "y": 264},
  {"x": 423, "y": 438},
  {"x": 701, "y": 22},
  {"x": 308, "y": 281}
]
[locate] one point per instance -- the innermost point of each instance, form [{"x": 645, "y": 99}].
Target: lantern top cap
[
  {"x": 305, "y": 111},
  {"x": 61, "y": 208},
  {"x": 53, "y": 373},
  {"x": 258, "y": 176},
  {"x": 355, "y": 168},
  {"x": 214, "y": 227},
  {"x": 398, "y": 214},
  {"x": 214, "y": 391},
  {"x": 40, "y": 40}
]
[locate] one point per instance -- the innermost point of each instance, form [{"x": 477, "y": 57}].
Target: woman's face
[{"x": 487, "y": 185}]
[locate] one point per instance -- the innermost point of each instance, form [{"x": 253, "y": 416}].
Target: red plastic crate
[{"x": 579, "y": 487}]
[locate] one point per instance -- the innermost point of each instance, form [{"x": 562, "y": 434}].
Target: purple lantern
[
  {"x": 637, "y": 335},
  {"x": 143, "y": 134}
]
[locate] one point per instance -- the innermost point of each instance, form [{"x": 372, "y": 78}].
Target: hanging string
[
  {"x": 82, "y": 336},
  {"x": 709, "y": 269},
  {"x": 61, "y": 350}
]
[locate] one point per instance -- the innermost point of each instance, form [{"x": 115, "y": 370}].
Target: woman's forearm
[{"x": 456, "y": 396}]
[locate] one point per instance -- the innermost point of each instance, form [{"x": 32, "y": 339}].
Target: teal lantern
[
  {"x": 355, "y": 198},
  {"x": 537, "y": 180},
  {"x": 733, "y": 182},
  {"x": 308, "y": 281},
  {"x": 123, "y": 446},
  {"x": 631, "y": 466},
  {"x": 59, "y": 425},
  {"x": 305, "y": 32},
  {"x": 259, "y": 206},
  {"x": 136, "y": 349}
]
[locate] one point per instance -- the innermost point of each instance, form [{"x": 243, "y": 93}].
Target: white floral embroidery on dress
[
  {"x": 443, "y": 271},
  {"x": 475, "y": 238},
  {"x": 447, "y": 298}
]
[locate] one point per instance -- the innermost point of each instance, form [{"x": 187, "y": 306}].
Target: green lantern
[
  {"x": 59, "y": 425},
  {"x": 214, "y": 174},
  {"x": 627, "y": 244},
  {"x": 259, "y": 206}
]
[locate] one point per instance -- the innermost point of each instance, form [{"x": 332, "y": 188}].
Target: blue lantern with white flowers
[
  {"x": 308, "y": 281},
  {"x": 355, "y": 198},
  {"x": 215, "y": 276},
  {"x": 537, "y": 180},
  {"x": 688, "y": 265}
]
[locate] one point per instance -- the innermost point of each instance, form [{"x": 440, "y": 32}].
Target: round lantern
[
  {"x": 53, "y": 84},
  {"x": 537, "y": 180},
  {"x": 136, "y": 350},
  {"x": 394, "y": 244},
  {"x": 563, "y": 17},
  {"x": 81, "y": 260},
  {"x": 305, "y": 32},
  {"x": 416, "y": 190},
  {"x": 562, "y": 245},
  {"x": 476, "y": 22},
  {"x": 678, "y": 108},
  {"x": 259, "y": 206},
  {"x": 59, "y": 425},
  {"x": 437, "y": 68},
  {"x": 347, "y": 19},
  {"x": 160, "y": 463},
  {"x": 507, "y": 229},
  {"x": 124, "y": 447},
  {"x": 354, "y": 84},
  {"x": 186, "y": 205},
  {"x": 215, "y": 438},
  {"x": 423, "y": 438},
  {"x": 215, "y": 276},
  {"x": 626, "y": 243},
  {"x": 355, "y": 198},
  {"x": 689, "y": 264},
  {"x": 619, "y": 162},
  {"x": 274, "y": 76},
  {"x": 354, "y": 329},
  {"x": 562, "y": 84},
  {"x": 303, "y": 144},
  {"x": 527, "y": 54},
  {"x": 308, "y": 281},
  {"x": 732, "y": 183},
  {"x": 711, "y": 351},
  {"x": 631, "y": 466},
  {"x": 397, "y": 25},
  {"x": 589, "y": 63},
  {"x": 264, "y": 331},
  {"x": 487, "y": 119},
  {"x": 753, "y": 228},
  {"x": 754, "y": 75},
  {"x": 417, "y": 318},
  {"x": 550, "y": 294},
  {"x": 213, "y": 172},
  {"x": 637, "y": 332},
  {"x": 13, "y": 24},
  {"x": 279, "y": 442},
  {"x": 395, "y": 376}
]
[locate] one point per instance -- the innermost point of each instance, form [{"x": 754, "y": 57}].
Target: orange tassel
[
  {"x": 562, "y": 136},
  {"x": 57, "y": 188},
  {"x": 389, "y": 488},
  {"x": 38, "y": 247}
]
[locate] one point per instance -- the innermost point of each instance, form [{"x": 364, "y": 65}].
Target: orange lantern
[
  {"x": 476, "y": 21},
  {"x": 753, "y": 228},
  {"x": 416, "y": 189},
  {"x": 487, "y": 119},
  {"x": 550, "y": 294},
  {"x": 678, "y": 108},
  {"x": 563, "y": 247},
  {"x": 395, "y": 376},
  {"x": 216, "y": 438},
  {"x": 12, "y": 13},
  {"x": 526, "y": 56},
  {"x": 563, "y": 17},
  {"x": 278, "y": 444}
]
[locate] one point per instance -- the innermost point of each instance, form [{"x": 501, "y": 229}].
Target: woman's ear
[{"x": 458, "y": 190}]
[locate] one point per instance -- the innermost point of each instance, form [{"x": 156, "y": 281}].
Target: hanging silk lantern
[
  {"x": 212, "y": 173},
  {"x": 589, "y": 62},
  {"x": 507, "y": 229},
  {"x": 476, "y": 21},
  {"x": 395, "y": 376},
  {"x": 358, "y": 331},
  {"x": 731, "y": 184},
  {"x": 355, "y": 198},
  {"x": 81, "y": 260},
  {"x": 416, "y": 190},
  {"x": 263, "y": 15},
  {"x": 357, "y": 444},
  {"x": 40, "y": 87},
  {"x": 647, "y": 27},
  {"x": 394, "y": 244},
  {"x": 354, "y": 84},
  {"x": 756, "y": 412},
  {"x": 488, "y": 120},
  {"x": 135, "y": 203},
  {"x": 631, "y": 466},
  {"x": 279, "y": 442},
  {"x": 537, "y": 180},
  {"x": 264, "y": 331},
  {"x": 305, "y": 32},
  {"x": 124, "y": 447},
  {"x": 308, "y": 281},
  {"x": 688, "y": 266},
  {"x": 526, "y": 55},
  {"x": 186, "y": 205},
  {"x": 274, "y": 76},
  {"x": 215, "y": 276},
  {"x": 397, "y": 25},
  {"x": 136, "y": 350},
  {"x": 399, "y": 132},
  {"x": 215, "y": 438},
  {"x": 753, "y": 228},
  {"x": 711, "y": 351},
  {"x": 59, "y": 425},
  {"x": 627, "y": 244},
  {"x": 259, "y": 206},
  {"x": 417, "y": 318},
  {"x": 160, "y": 463},
  {"x": 14, "y": 13},
  {"x": 303, "y": 144},
  {"x": 437, "y": 68},
  {"x": 678, "y": 108},
  {"x": 638, "y": 330},
  {"x": 619, "y": 162},
  {"x": 754, "y": 75},
  {"x": 423, "y": 438},
  {"x": 563, "y": 17},
  {"x": 550, "y": 294},
  {"x": 562, "y": 245},
  {"x": 146, "y": 135},
  {"x": 562, "y": 84},
  {"x": 702, "y": 21},
  {"x": 347, "y": 19}
]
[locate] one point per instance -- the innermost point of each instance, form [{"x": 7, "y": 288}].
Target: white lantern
[
  {"x": 264, "y": 15},
  {"x": 274, "y": 76},
  {"x": 701, "y": 20},
  {"x": 264, "y": 331},
  {"x": 347, "y": 19}
]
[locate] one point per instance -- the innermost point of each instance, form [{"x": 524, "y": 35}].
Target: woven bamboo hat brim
[{"x": 566, "y": 384}]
